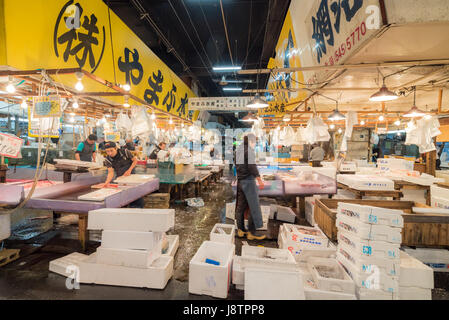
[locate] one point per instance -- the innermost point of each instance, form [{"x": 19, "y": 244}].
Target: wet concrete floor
[{"x": 29, "y": 278}]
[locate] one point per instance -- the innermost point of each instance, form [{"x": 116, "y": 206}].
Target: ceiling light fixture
[
  {"x": 126, "y": 104},
  {"x": 79, "y": 85},
  {"x": 249, "y": 118},
  {"x": 397, "y": 122},
  {"x": 171, "y": 121},
  {"x": 362, "y": 122},
  {"x": 414, "y": 112},
  {"x": 232, "y": 89},
  {"x": 336, "y": 115},
  {"x": 332, "y": 126},
  {"x": 24, "y": 104},
  {"x": 126, "y": 87},
  {"x": 153, "y": 116},
  {"x": 384, "y": 94},
  {"x": 75, "y": 104},
  {"x": 339, "y": 130},
  {"x": 257, "y": 103},
  {"x": 11, "y": 88},
  {"x": 381, "y": 118},
  {"x": 226, "y": 68}
]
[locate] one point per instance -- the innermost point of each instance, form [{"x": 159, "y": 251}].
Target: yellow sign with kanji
[{"x": 52, "y": 34}]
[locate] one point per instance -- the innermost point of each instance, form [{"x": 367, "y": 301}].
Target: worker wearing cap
[
  {"x": 86, "y": 150},
  {"x": 121, "y": 163}
]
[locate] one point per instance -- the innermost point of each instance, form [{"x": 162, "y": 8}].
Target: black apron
[
  {"x": 86, "y": 153},
  {"x": 121, "y": 163}
]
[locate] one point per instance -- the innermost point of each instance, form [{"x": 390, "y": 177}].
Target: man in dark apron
[
  {"x": 86, "y": 150},
  {"x": 121, "y": 163}
]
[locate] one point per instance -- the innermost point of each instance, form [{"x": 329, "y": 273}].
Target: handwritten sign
[{"x": 10, "y": 145}]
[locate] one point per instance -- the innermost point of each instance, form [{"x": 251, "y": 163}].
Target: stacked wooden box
[
  {"x": 157, "y": 201},
  {"x": 368, "y": 248}
]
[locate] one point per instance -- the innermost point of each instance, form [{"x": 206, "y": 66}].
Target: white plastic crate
[
  {"x": 154, "y": 277},
  {"x": 238, "y": 274},
  {"x": 131, "y": 219},
  {"x": 5, "y": 226},
  {"x": 265, "y": 284},
  {"x": 368, "y": 231},
  {"x": 362, "y": 263},
  {"x": 376, "y": 280},
  {"x": 173, "y": 244},
  {"x": 267, "y": 258},
  {"x": 129, "y": 258},
  {"x": 67, "y": 265},
  {"x": 209, "y": 279},
  {"x": 223, "y": 233},
  {"x": 372, "y": 215},
  {"x": 307, "y": 236},
  {"x": 363, "y": 247},
  {"x": 301, "y": 253},
  {"x": 437, "y": 259},
  {"x": 413, "y": 293},
  {"x": 130, "y": 239},
  {"x": 329, "y": 275},
  {"x": 281, "y": 213},
  {"x": 414, "y": 273}
]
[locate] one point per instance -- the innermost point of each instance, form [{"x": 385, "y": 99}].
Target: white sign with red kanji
[{"x": 10, "y": 145}]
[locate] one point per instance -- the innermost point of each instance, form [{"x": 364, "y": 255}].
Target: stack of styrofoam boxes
[
  {"x": 415, "y": 280},
  {"x": 388, "y": 164},
  {"x": 208, "y": 278},
  {"x": 439, "y": 197},
  {"x": 267, "y": 274},
  {"x": 304, "y": 242},
  {"x": 5, "y": 226},
  {"x": 437, "y": 259},
  {"x": 368, "y": 248},
  {"x": 366, "y": 182},
  {"x": 310, "y": 207},
  {"x": 223, "y": 233},
  {"x": 130, "y": 252}
]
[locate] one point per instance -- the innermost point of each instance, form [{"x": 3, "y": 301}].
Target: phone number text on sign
[
  {"x": 351, "y": 41},
  {"x": 10, "y": 145}
]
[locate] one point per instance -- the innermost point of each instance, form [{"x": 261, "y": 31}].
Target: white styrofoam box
[
  {"x": 131, "y": 219},
  {"x": 267, "y": 258},
  {"x": 414, "y": 273},
  {"x": 442, "y": 174},
  {"x": 423, "y": 180},
  {"x": 370, "y": 294},
  {"x": 439, "y": 192},
  {"x": 265, "y": 217},
  {"x": 130, "y": 239},
  {"x": 438, "y": 202},
  {"x": 67, "y": 265},
  {"x": 238, "y": 274},
  {"x": 209, "y": 279},
  {"x": 366, "y": 182},
  {"x": 344, "y": 194},
  {"x": 281, "y": 213},
  {"x": 309, "y": 208},
  {"x": 372, "y": 215},
  {"x": 363, "y": 247},
  {"x": 129, "y": 257},
  {"x": 223, "y": 233},
  {"x": 302, "y": 252},
  {"x": 230, "y": 210},
  {"x": 348, "y": 166},
  {"x": 417, "y": 196},
  {"x": 413, "y": 293},
  {"x": 173, "y": 244},
  {"x": 369, "y": 231},
  {"x": 154, "y": 277},
  {"x": 387, "y": 164},
  {"x": 329, "y": 275},
  {"x": 307, "y": 236},
  {"x": 437, "y": 259},
  {"x": 266, "y": 284},
  {"x": 375, "y": 280},
  {"x": 5, "y": 226},
  {"x": 390, "y": 267}
]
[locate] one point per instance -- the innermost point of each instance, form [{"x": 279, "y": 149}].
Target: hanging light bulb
[
  {"x": 171, "y": 121},
  {"x": 332, "y": 126},
  {"x": 381, "y": 118},
  {"x": 397, "y": 122},
  {"x": 153, "y": 116},
  {"x": 126, "y": 87},
  {"x": 414, "y": 112},
  {"x": 362, "y": 122},
  {"x": 75, "y": 104},
  {"x": 24, "y": 104},
  {"x": 79, "y": 85},
  {"x": 384, "y": 94},
  {"x": 339, "y": 130},
  {"x": 11, "y": 88},
  {"x": 182, "y": 125},
  {"x": 336, "y": 115},
  {"x": 126, "y": 104}
]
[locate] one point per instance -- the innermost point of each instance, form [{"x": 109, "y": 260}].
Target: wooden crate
[
  {"x": 157, "y": 201},
  {"x": 421, "y": 230}
]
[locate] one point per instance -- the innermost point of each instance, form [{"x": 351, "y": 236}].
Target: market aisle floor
[{"x": 29, "y": 278}]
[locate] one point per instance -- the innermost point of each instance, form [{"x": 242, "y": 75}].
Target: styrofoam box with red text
[{"x": 369, "y": 231}]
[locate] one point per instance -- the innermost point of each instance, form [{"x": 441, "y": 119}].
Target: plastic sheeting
[
  {"x": 123, "y": 122},
  {"x": 422, "y": 133},
  {"x": 316, "y": 131}
]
